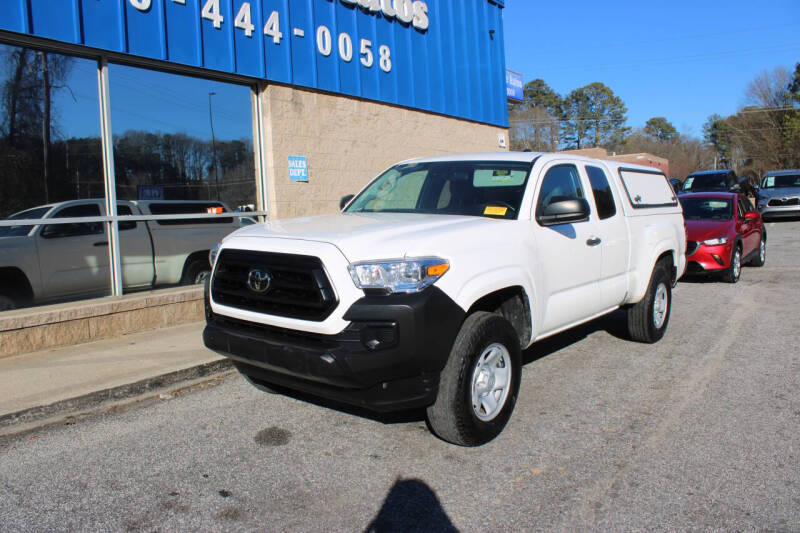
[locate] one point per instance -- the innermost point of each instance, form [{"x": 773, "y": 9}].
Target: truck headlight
[
  {"x": 212, "y": 255},
  {"x": 715, "y": 242},
  {"x": 407, "y": 276}
]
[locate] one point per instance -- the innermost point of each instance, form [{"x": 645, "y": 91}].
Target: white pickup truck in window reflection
[{"x": 55, "y": 262}]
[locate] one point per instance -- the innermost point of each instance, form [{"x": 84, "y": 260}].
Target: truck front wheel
[
  {"x": 6, "y": 303},
  {"x": 647, "y": 320},
  {"x": 196, "y": 272},
  {"x": 480, "y": 382}
]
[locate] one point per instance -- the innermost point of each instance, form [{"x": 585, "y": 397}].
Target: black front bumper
[{"x": 387, "y": 359}]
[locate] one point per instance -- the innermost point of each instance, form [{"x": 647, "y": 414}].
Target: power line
[
  {"x": 684, "y": 59},
  {"x": 681, "y": 38}
]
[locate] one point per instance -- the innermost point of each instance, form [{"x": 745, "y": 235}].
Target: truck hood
[
  {"x": 367, "y": 236},
  {"x": 702, "y": 230},
  {"x": 781, "y": 191}
]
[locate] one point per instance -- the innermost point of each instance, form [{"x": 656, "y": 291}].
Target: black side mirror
[
  {"x": 564, "y": 211},
  {"x": 345, "y": 200}
]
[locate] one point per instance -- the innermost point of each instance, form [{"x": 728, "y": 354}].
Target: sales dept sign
[{"x": 298, "y": 168}]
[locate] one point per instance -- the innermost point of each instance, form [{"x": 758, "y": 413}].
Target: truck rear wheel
[
  {"x": 480, "y": 382},
  {"x": 648, "y": 319}
]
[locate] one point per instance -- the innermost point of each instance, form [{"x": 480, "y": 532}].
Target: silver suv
[{"x": 779, "y": 194}]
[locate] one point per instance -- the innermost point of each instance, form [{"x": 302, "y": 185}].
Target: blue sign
[
  {"x": 151, "y": 192},
  {"x": 298, "y": 168},
  {"x": 444, "y": 56},
  {"x": 514, "y": 87}
]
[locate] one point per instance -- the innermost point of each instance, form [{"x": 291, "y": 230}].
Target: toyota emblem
[{"x": 259, "y": 281}]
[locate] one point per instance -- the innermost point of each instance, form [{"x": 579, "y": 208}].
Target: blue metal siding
[{"x": 455, "y": 67}]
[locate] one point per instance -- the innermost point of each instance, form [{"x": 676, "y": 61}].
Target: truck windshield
[
  {"x": 774, "y": 182},
  {"x": 473, "y": 188},
  {"x": 20, "y": 231},
  {"x": 707, "y": 208},
  {"x": 706, "y": 182}
]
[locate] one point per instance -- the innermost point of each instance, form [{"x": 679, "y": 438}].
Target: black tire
[
  {"x": 642, "y": 324},
  {"x": 452, "y": 417},
  {"x": 734, "y": 270},
  {"x": 7, "y": 303},
  {"x": 761, "y": 257},
  {"x": 196, "y": 272}
]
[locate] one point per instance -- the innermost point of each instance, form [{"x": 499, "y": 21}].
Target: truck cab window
[
  {"x": 124, "y": 210},
  {"x": 603, "y": 198},
  {"x": 560, "y": 183},
  {"x": 74, "y": 229}
]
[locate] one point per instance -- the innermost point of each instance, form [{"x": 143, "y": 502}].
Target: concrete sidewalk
[{"x": 55, "y": 382}]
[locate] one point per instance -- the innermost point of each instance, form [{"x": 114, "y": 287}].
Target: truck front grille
[
  {"x": 297, "y": 286},
  {"x": 776, "y": 202}
]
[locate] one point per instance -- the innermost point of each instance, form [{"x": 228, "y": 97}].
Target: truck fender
[
  {"x": 640, "y": 276},
  {"x": 485, "y": 283}
]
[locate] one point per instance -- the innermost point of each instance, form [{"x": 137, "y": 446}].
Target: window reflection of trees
[
  {"x": 43, "y": 161},
  {"x": 184, "y": 166},
  {"x": 39, "y": 162}
]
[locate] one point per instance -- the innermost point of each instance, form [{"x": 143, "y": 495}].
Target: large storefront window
[
  {"x": 183, "y": 159},
  {"x": 182, "y": 145},
  {"x": 181, "y": 138},
  {"x": 50, "y": 167}
]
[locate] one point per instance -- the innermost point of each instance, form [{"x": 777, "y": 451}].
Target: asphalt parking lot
[{"x": 699, "y": 431}]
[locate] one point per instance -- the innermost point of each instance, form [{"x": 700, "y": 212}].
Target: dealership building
[{"x": 179, "y": 118}]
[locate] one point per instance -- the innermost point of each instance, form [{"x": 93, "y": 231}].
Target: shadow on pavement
[
  {"x": 400, "y": 417},
  {"x": 411, "y": 505},
  {"x": 614, "y": 324}
]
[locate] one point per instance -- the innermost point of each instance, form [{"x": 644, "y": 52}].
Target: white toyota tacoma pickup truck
[{"x": 424, "y": 290}]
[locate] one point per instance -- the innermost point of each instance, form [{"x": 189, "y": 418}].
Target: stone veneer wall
[
  {"x": 39, "y": 328},
  {"x": 348, "y": 142}
]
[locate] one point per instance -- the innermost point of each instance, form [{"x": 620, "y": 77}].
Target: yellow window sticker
[{"x": 495, "y": 210}]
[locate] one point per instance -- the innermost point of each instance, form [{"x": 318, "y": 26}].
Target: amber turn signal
[{"x": 438, "y": 270}]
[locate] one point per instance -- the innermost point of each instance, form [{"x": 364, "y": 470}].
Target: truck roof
[
  {"x": 788, "y": 172},
  {"x": 711, "y": 172},
  {"x": 524, "y": 157}
]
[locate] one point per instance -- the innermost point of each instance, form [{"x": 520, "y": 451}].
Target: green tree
[
  {"x": 718, "y": 136},
  {"x": 539, "y": 94},
  {"x": 660, "y": 129},
  {"x": 792, "y": 118},
  {"x": 593, "y": 113},
  {"x": 535, "y": 122}
]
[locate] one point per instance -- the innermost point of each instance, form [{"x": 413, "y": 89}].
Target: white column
[{"x": 109, "y": 178}]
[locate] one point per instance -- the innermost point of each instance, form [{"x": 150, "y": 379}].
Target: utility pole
[
  {"x": 213, "y": 144},
  {"x": 46, "y": 127}
]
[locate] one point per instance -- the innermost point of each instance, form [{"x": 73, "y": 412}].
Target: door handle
[
  {"x": 593, "y": 241},
  {"x": 101, "y": 243}
]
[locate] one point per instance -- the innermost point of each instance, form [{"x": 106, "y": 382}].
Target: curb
[{"x": 96, "y": 399}]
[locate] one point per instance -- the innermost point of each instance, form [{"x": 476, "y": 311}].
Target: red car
[{"x": 723, "y": 232}]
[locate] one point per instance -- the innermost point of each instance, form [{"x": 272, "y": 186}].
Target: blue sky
[{"x": 678, "y": 59}]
